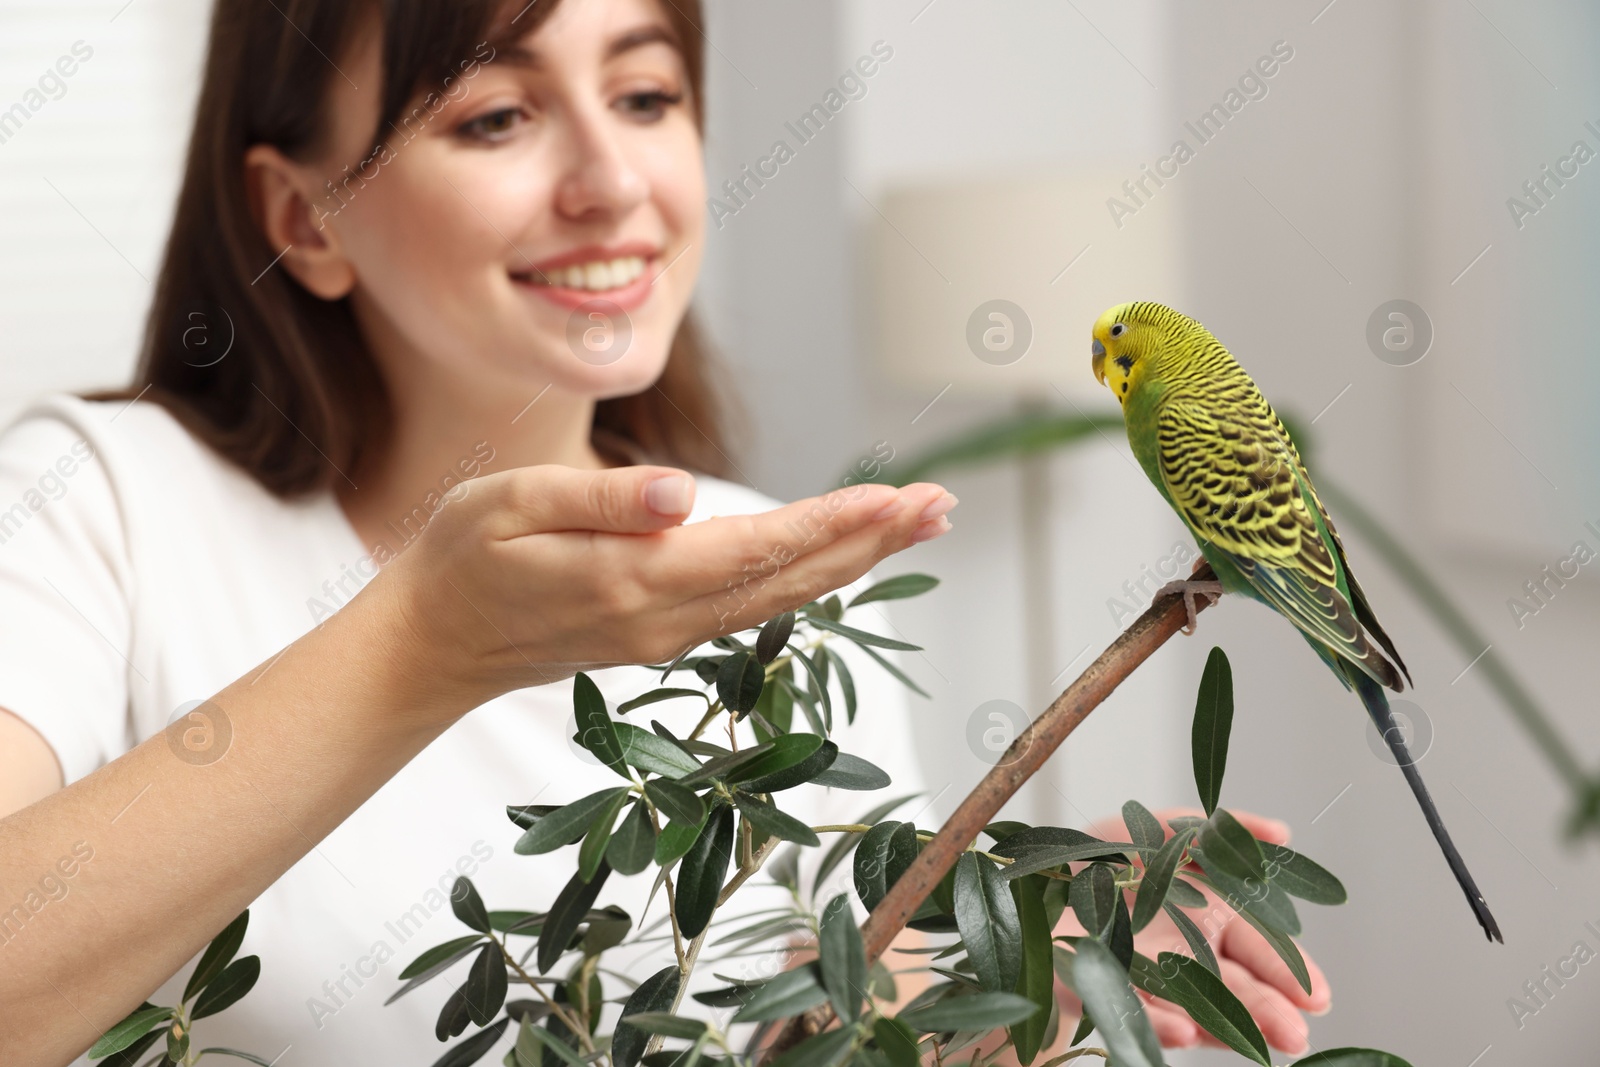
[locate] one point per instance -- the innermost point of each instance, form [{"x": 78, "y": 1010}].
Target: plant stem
[
  {"x": 582, "y": 1032},
  {"x": 1026, "y": 755}
]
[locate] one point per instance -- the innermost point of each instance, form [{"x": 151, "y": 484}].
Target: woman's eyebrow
[{"x": 518, "y": 55}]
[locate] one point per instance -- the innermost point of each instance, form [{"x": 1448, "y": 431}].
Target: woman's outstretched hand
[
  {"x": 540, "y": 572},
  {"x": 1249, "y": 966}
]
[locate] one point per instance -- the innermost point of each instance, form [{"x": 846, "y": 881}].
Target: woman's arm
[{"x": 507, "y": 588}]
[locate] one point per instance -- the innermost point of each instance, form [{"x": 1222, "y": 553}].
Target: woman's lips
[{"x": 558, "y": 279}]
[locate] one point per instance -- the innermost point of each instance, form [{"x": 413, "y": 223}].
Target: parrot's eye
[{"x": 1118, "y": 329}]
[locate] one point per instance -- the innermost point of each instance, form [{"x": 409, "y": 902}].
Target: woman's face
[{"x": 540, "y": 220}]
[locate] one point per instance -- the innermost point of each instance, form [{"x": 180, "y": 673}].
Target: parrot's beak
[{"x": 1099, "y": 352}]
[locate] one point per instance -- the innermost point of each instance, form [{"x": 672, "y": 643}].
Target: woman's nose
[{"x": 600, "y": 177}]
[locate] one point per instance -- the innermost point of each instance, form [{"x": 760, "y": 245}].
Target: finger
[
  {"x": 549, "y": 497},
  {"x": 1243, "y": 943},
  {"x": 1172, "y": 1025},
  {"x": 739, "y": 595},
  {"x": 804, "y": 580},
  {"x": 1280, "y": 1021}
]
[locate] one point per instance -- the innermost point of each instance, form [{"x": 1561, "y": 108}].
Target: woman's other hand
[{"x": 1250, "y": 967}]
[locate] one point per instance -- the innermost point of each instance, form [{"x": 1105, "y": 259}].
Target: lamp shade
[{"x": 994, "y": 286}]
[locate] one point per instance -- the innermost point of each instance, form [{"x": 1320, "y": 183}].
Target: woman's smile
[{"x": 622, "y": 274}]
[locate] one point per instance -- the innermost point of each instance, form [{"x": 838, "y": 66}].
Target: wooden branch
[{"x": 1021, "y": 761}]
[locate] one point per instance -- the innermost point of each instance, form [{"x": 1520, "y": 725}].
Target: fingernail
[
  {"x": 931, "y": 529},
  {"x": 669, "y": 494},
  {"x": 893, "y": 507},
  {"x": 938, "y": 507}
]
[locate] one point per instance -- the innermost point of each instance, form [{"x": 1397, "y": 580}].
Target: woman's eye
[
  {"x": 493, "y": 126},
  {"x": 651, "y": 104}
]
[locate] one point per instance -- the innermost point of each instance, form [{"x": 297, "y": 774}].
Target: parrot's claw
[{"x": 1212, "y": 591}]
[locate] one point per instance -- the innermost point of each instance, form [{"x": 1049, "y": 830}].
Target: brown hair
[{"x": 298, "y": 397}]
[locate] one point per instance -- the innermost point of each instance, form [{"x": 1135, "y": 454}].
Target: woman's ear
[{"x": 293, "y": 224}]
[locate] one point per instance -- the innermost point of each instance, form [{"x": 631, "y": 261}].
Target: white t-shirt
[{"x": 140, "y": 573}]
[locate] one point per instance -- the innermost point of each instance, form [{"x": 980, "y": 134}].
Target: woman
[{"x": 409, "y": 437}]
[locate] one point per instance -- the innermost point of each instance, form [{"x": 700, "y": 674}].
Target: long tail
[{"x": 1372, "y": 695}]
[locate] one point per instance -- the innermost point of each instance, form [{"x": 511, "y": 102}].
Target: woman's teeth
[{"x": 595, "y": 277}]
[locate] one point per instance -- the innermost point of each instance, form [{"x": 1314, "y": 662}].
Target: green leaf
[
  {"x": 217, "y": 955},
  {"x": 468, "y": 906},
  {"x": 1302, "y": 877},
  {"x": 1121, "y": 940},
  {"x": 485, "y": 988},
  {"x": 871, "y": 869},
  {"x": 896, "y": 588},
  {"x": 775, "y": 709},
  {"x": 668, "y": 1025},
  {"x": 450, "y": 950},
  {"x": 1037, "y": 979},
  {"x": 1195, "y": 936},
  {"x": 533, "y": 1040},
  {"x": 593, "y": 849},
  {"x": 1143, "y": 827},
  {"x": 1188, "y": 984},
  {"x": 236, "y": 979},
  {"x": 819, "y": 1050},
  {"x": 633, "y": 845},
  {"x": 453, "y": 1017},
  {"x": 1033, "y": 860},
  {"x": 1230, "y": 848},
  {"x": 1213, "y": 719},
  {"x": 818, "y": 682},
  {"x": 566, "y": 914},
  {"x": 138, "y": 1023},
  {"x": 473, "y": 1048},
  {"x": 799, "y": 774},
  {"x": 862, "y": 637},
  {"x": 1093, "y": 898},
  {"x": 790, "y": 993},
  {"x": 651, "y": 752},
  {"x": 1102, "y": 984},
  {"x": 757, "y": 761},
  {"x": 739, "y": 682},
  {"x": 774, "y": 635},
  {"x": 895, "y": 672},
  {"x": 177, "y": 1045},
  {"x": 131, "y": 1055},
  {"x": 855, "y": 773},
  {"x": 896, "y": 1041},
  {"x": 1185, "y": 895},
  {"x": 843, "y": 959},
  {"x": 1281, "y": 942},
  {"x": 607, "y": 928},
  {"x": 566, "y": 824},
  {"x": 841, "y": 848},
  {"x": 702, "y": 871},
  {"x": 654, "y": 994},
  {"x": 986, "y": 914},
  {"x": 1157, "y": 879},
  {"x": 771, "y": 821},
  {"x": 974, "y": 1011},
  {"x": 235, "y": 1053},
  {"x": 1351, "y": 1057},
  {"x": 1267, "y": 902},
  {"x": 525, "y": 815},
  {"x": 847, "y": 682},
  {"x": 595, "y": 730},
  {"x": 655, "y": 696},
  {"x": 675, "y": 802},
  {"x": 675, "y": 840}
]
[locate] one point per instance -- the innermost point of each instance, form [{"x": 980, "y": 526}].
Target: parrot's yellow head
[
  {"x": 1130, "y": 339},
  {"x": 1120, "y": 347}
]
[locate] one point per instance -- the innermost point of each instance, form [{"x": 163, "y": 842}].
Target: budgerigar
[{"x": 1215, "y": 450}]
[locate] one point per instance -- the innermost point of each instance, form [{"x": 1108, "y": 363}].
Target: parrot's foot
[{"x": 1190, "y": 589}]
